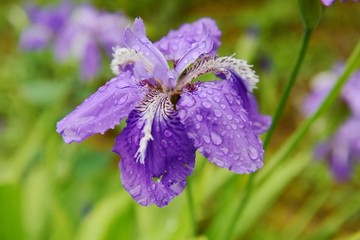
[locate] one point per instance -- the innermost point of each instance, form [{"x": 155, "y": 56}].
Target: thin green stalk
[
  {"x": 351, "y": 65},
  {"x": 191, "y": 208},
  {"x": 241, "y": 206},
  {"x": 289, "y": 85}
]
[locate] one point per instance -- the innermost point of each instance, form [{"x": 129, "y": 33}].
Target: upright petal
[
  {"x": 138, "y": 41},
  {"x": 156, "y": 154},
  {"x": 215, "y": 118},
  {"x": 102, "y": 110},
  {"x": 177, "y": 42}
]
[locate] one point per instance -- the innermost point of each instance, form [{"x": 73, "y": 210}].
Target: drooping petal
[
  {"x": 102, "y": 110},
  {"x": 156, "y": 154},
  {"x": 215, "y": 118},
  {"x": 261, "y": 123},
  {"x": 138, "y": 41},
  {"x": 177, "y": 42}
]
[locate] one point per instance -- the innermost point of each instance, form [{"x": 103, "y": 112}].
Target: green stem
[
  {"x": 289, "y": 85},
  {"x": 351, "y": 65},
  {"x": 191, "y": 208},
  {"x": 241, "y": 206}
]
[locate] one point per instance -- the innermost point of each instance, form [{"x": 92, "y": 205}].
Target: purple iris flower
[
  {"x": 77, "y": 33},
  {"x": 324, "y": 82},
  {"x": 169, "y": 116},
  {"x": 330, "y": 2},
  {"x": 85, "y": 33},
  {"x": 45, "y": 24},
  {"x": 342, "y": 150}
]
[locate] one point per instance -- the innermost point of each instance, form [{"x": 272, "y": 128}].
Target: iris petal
[
  {"x": 169, "y": 154},
  {"x": 220, "y": 126}
]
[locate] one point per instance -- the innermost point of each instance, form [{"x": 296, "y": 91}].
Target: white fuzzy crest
[
  {"x": 221, "y": 65},
  {"x": 124, "y": 56},
  {"x": 149, "y": 108}
]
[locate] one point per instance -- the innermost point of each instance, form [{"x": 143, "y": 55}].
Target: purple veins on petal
[
  {"x": 102, "y": 110},
  {"x": 168, "y": 155}
]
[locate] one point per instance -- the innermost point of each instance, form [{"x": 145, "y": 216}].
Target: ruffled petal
[
  {"x": 156, "y": 154},
  {"x": 102, "y": 110},
  {"x": 220, "y": 126},
  {"x": 177, "y": 42}
]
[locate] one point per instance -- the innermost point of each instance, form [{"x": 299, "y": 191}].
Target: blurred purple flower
[
  {"x": 170, "y": 115},
  {"x": 45, "y": 24},
  {"x": 76, "y": 33},
  {"x": 323, "y": 83},
  {"x": 342, "y": 150},
  {"x": 344, "y": 147},
  {"x": 84, "y": 33},
  {"x": 330, "y": 2}
]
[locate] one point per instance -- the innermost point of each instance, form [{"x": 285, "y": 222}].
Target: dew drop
[
  {"x": 201, "y": 45},
  {"x": 223, "y": 106},
  {"x": 224, "y": 150},
  {"x": 206, "y": 104},
  {"x": 217, "y": 113},
  {"x": 199, "y": 117},
  {"x": 253, "y": 153},
  {"x": 167, "y": 133},
  {"x": 164, "y": 143},
  {"x": 136, "y": 47},
  {"x": 216, "y": 138},
  {"x": 188, "y": 101},
  {"x": 206, "y": 138},
  {"x": 101, "y": 89},
  {"x": 217, "y": 99},
  {"x": 123, "y": 99}
]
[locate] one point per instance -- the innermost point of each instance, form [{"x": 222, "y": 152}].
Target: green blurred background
[{"x": 51, "y": 190}]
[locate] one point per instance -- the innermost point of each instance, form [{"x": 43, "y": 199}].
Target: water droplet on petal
[
  {"x": 188, "y": 101},
  {"x": 206, "y": 138},
  {"x": 136, "y": 47},
  {"x": 123, "y": 99},
  {"x": 164, "y": 143},
  {"x": 199, "y": 117},
  {"x": 167, "y": 133},
  {"x": 206, "y": 104},
  {"x": 201, "y": 45},
  {"x": 101, "y": 89},
  {"x": 224, "y": 150},
  {"x": 223, "y": 106},
  {"x": 216, "y": 138},
  {"x": 217, "y": 113},
  {"x": 217, "y": 99},
  {"x": 253, "y": 153}
]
